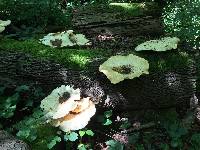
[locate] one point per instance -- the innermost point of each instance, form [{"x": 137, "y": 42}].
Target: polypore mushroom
[
  {"x": 77, "y": 118},
  {"x": 65, "y": 108},
  {"x": 164, "y": 44},
  {"x": 60, "y": 102},
  {"x": 118, "y": 68},
  {"x": 3, "y": 24},
  {"x": 64, "y": 39}
]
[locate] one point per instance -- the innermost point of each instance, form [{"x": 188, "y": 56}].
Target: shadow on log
[{"x": 157, "y": 90}]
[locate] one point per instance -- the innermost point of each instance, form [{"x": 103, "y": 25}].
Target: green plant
[
  {"x": 34, "y": 12},
  {"x": 195, "y": 141},
  {"x": 107, "y": 121},
  {"x": 71, "y": 58},
  {"x": 114, "y": 145},
  {"x": 8, "y": 103},
  {"x": 182, "y": 19}
]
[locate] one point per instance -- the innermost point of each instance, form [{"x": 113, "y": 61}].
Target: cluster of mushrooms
[{"x": 64, "y": 108}]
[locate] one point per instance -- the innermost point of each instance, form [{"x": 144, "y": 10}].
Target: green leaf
[
  {"x": 82, "y": 147},
  {"x": 27, "y": 134},
  {"x": 81, "y": 133},
  {"x": 114, "y": 145},
  {"x": 108, "y": 122},
  {"x": 108, "y": 113},
  {"x": 23, "y": 133},
  {"x": 90, "y": 132},
  {"x": 126, "y": 124},
  {"x": 73, "y": 136},
  {"x": 53, "y": 142}
]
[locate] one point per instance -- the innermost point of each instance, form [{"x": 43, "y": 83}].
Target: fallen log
[
  {"x": 115, "y": 22},
  {"x": 171, "y": 88}
]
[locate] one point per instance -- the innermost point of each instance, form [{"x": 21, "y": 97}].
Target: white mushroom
[
  {"x": 164, "y": 44},
  {"x": 117, "y": 68},
  {"x": 60, "y": 102},
  {"x": 3, "y": 24},
  {"x": 65, "y": 108}
]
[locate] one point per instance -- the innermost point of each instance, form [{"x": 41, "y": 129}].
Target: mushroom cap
[
  {"x": 2, "y": 29},
  {"x": 79, "y": 120},
  {"x": 70, "y": 31},
  {"x": 134, "y": 64},
  {"x": 164, "y": 44},
  {"x": 52, "y": 105},
  {"x": 63, "y": 39},
  {"x": 4, "y": 23}
]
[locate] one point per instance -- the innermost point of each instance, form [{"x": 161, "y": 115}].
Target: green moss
[
  {"x": 73, "y": 58},
  {"x": 167, "y": 61},
  {"x": 81, "y": 58}
]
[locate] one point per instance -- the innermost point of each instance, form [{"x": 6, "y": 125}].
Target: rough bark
[
  {"x": 135, "y": 26},
  {"x": 115, "y": 22},
  {"x": 8, "y": 142},
  {"x": 157, "y": 90}
]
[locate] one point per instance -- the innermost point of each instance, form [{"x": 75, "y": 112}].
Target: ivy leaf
[
  {"x": 53, "y": 142},
  {"x": 90, "y": 132},
  {"x": 108, "y": 122},
  {"x": 81, "y": 133},
  {"x": 73, "y": 136},
  {"x": 108, "y": 113}
]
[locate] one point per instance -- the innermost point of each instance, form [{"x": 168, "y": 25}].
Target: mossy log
[{"x": 160, "y": 89}]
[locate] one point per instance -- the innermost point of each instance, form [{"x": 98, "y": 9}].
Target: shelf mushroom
[
  {"x": 65, "y": 108},
  {"x": 164, "y": 44},
  {"x": 3, "y": 24},
  {"x": 64, "y": 39},
  {"x": 117, "y": 68}
]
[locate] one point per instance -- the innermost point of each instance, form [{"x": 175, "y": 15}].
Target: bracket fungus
[
  {"x": 3, "y": 24},
  {"x": 64, "y": 39},
  {"x": 65, "y": 108},
  {"x": 164, "y": 44},
  {"x": 117, "y": 68}
]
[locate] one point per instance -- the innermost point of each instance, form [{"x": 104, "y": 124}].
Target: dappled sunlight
[
  {"x": 126, "y": 5},
  {"x": 79, "y": 59}
]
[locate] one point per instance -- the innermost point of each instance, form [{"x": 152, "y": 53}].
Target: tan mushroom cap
[{"x": 77, "y": 118}]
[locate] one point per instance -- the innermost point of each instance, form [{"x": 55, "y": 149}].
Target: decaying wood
[
  {"x": 156, "y": 90},
  {"x": 8, "y": 142},
  {"x": 136, "y": 26},
  {"x": 115, "y": 23}
]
